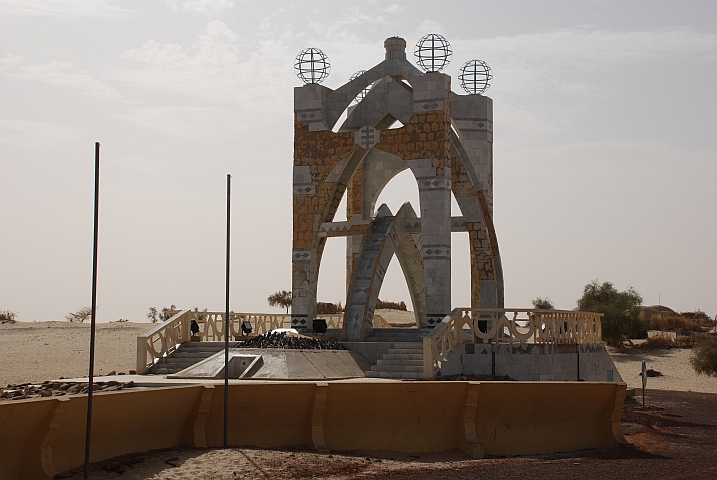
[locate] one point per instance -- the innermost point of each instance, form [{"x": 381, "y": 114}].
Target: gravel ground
[{"x": 675, "y": 437}]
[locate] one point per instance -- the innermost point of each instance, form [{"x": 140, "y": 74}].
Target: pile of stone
[
  {"x": 58, "y": 389},
  {"x": 288, "y": 341}
]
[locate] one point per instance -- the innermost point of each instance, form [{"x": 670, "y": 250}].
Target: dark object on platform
[
  {"x": 246, "y": 328},
  {"x": 292, "y": 342},
  {"x": 320, "y": 325},
  {"x": 194, "y": 327},
  {"x": 475, "y": 378}
]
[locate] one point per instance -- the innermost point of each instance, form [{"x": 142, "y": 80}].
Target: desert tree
[
  {"x": 281, "y": 299},
  {"x": 163, "y": 315},
  {"x": 80, "y": 315},
  {"x": 704, "y": 356},
  {"x": 541, "y": 303},
  {"x": 621, "y": 311}
]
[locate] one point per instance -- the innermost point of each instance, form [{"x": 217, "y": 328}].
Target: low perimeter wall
[
  {"x": 588, "y": 362},
  {"x": 42, "y": 437}
]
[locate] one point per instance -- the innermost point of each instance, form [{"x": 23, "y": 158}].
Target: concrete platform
[{"x": 280, "y": 364}]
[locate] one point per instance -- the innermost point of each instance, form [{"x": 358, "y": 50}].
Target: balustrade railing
[
  {"x": 500, "y": 325},
  {"x": 164, "y": 338}
]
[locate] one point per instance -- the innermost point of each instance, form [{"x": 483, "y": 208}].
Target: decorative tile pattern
[{"x": 367, "y": 137}]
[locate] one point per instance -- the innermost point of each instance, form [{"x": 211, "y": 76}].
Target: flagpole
[
  {"x": 93, "y": 319},
  {"x": 227, "y": 328}
]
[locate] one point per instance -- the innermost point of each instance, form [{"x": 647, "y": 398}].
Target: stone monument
[{"x": 398, "y": 117}]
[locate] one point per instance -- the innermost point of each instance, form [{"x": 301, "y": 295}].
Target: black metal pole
[
  {"x": 226, "y": 320},
  {"x": 94, "y": 309}
]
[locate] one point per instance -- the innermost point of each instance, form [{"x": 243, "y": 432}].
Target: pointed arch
[{"x": 386, "y": 236}]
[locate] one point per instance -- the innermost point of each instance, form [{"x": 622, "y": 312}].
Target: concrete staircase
[
  {"x": 404, "y": 359},
  {"x": 185, "y": 356}
]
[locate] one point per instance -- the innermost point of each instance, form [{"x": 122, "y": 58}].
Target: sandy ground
[
  {"x": 35, "y": 352},
  {"x": 673, "y": 363}
]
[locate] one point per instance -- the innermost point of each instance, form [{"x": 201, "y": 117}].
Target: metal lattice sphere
[
  {"x": 312, "y": 65},
  {"x": 475, "y": 77},
  {"x": 433, "y": 53},
  {"x": 363, "y": 93}
]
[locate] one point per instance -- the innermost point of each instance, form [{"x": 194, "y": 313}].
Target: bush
[
  {"x": 325, "y": 308},
  {"x": 621, "y": 310},
  {"x": 543, "y": 304},
  {"x": 673, "y": 323},
  {"x": 658, "y": 342},
  {"x": 704, "y": 356},
  {"x": 683, "y": 341},
  {"x": 6, "y": 316},
  {"x": 391, "y": 305},
  {"x": 80, "y": 315},
  {"x": 164, "y": 315}
]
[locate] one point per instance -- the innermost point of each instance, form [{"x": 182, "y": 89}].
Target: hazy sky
[{"x": 605, "y": 153}]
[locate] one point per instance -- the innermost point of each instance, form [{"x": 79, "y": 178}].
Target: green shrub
[
  {"x": 704, "y": 356},
  {"x": 621, "y": 310},
  {"x": 541, "y": 303}
]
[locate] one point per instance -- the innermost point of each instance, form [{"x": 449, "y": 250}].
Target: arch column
[{"x": 434, "y": 191}]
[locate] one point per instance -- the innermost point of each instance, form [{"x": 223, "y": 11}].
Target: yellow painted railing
[
  {"x": 165, "y": 337},
  {"x": 500, "y": 325}
]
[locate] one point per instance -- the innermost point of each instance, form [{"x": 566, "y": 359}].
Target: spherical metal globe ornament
[
  {"x": 433, "y": 53},
  {"x": 475, "y": 77},
  {"x": 363, "y": 93},
  {"x": 312, "y": 65}
]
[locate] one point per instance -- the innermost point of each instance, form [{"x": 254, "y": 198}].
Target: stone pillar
[
  {"x": 473, "y": 115},
  {"x": 431, "y": 96},
  {"x": 434, "y": 190}
]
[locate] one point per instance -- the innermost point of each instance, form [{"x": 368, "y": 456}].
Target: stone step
[
  {"x": 396, "y": 361},
  {"x": 397, "y": 368},
  {"x": 406, "y": 345},
  {"x": 404, "y": 356},
  {"x": 394, "y": 340},
  {"x": 198, "y": 355},
  {"x": 390, "y": 331},
  {"x": 406, "y": 351},
  {"x": 395, "y": 375}
]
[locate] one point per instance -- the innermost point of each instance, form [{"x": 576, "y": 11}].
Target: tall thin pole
[
  {"x": 94, "y": 309},
  {"x": 226, "y": 320}
]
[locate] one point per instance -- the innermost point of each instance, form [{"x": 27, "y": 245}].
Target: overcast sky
[{"x": 605, "y": 153}]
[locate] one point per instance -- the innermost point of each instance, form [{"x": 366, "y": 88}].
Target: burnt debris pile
[{"x": 288, "y": 341}]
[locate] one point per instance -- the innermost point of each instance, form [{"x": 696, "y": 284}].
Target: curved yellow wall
[{"x": 42, "y": 437}]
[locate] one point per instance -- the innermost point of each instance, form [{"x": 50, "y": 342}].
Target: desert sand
[{"x": 35, "y": 352}]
